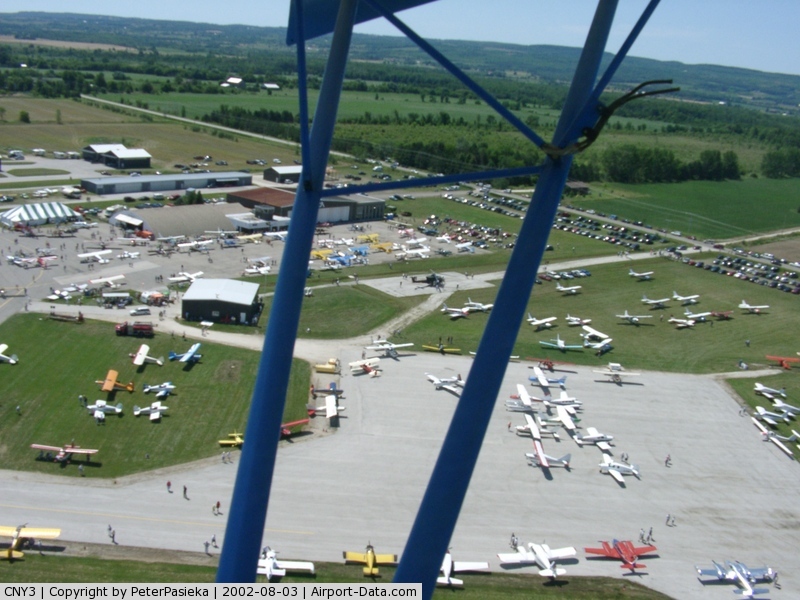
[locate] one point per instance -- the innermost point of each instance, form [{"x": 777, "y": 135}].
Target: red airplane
[
  {"x": 624, "y": 551},
  {"x": 784, "y": 362},
  {"x": 722, "y": 315},
  {"x": 64, "y": 453}
]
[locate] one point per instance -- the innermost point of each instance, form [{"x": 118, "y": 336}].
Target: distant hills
[{"x": 771, "y": 92}]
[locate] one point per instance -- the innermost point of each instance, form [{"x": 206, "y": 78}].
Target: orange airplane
[
  {"x": 110, "y": 383},
  {"x": 784, "y": 362}
]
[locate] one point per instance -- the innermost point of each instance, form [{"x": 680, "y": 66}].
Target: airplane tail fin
[
  {"x": 633, "y": 566},
  {"x": 173, "y": 356},
  {"x": 160, "y": 361},
  {"x": 136, "y": 411},
  {"x": 565, "y": 460},
  {"x": 371, "y": 570}
]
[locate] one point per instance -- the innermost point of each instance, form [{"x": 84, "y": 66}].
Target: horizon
[{"x": 731, "y": 34}]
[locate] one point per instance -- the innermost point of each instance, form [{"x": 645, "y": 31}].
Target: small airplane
[
  {"x": 188, "y": 277},
  {"x": 625, "y": 551},
  {"x": 128, "y": 255},
  {"x": 451, "y": 384},
  {"x": 110, "y": 383},
  {"x": 617, "y": 372},
  {"x": 592, "y": 436},
  {"x": 788, "y": 408},
  {"x": 696, "y": 317},
  {"x": 162, "y": 390},
  {"x": 370, "y": 559},
  {"x": 771, "y": 417},
  {"x": 255, "y": 238},
  {"x": 190, "y": 356},
  {"x": 478, "y": 306},
  {"x": 256, "y": 270},
  {"x": 721, "y": 315},
  {"x": 142, "y": 357},
  {"x": 751, "y": 309},
  {"x": 101, "y": 407},
  {"x": 618, "y": 469},
  {"x": 593, "y": 335},
  {"x": 573, "y": 289},
  {"x": 645, "y": 276},
  {"x": 681, "y": 323},
  {"x": 685, "y": 300},
  {"x": 769, "y": 392},
  {"x": 450, "y": 566},
  {"x": 97, "y": 256},
  {"x": 660, "y": 303},
  {"x": 155, "y": 410},
  {"x": 541, "y": 323},
  {"x": 331, "y": 407},
  {"x": 108, "y": 281},
  {"x": 541, "y": 427},
  {"x": 195, "y": 245},
  {"x": 544, "y": 382},
  {"x": 12, "y": 360},
  {"x": 388, "y": 348},
  {"x": 455, "y": 313},
  {"x": 64, "y": 453},
  {"x": 538, "y": 458},
  {"x": 368, "y": 366},
  {"x": 784, "y": 362},
  {"x": 21, "y": 533},
  {"x": 560, "y": 344},
  {"x": 332, "y": 389},
  {"x": 739, "y": 574},
  {"x": 575, "y": 321},
  {"x": 465, "y": 247},
  {"x": 270, "y": 566},
  {"x": 634, "y": 319},
  {"x": 541, "y": 555},
  {"x": 777, "y": 439},
  {"x": 60, "y": 295}
]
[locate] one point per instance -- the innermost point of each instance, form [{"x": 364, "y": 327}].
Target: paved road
[{"x": 733, "y": 496}]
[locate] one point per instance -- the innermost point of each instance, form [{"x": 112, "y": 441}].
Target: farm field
[{"x": 59, "y": 361}]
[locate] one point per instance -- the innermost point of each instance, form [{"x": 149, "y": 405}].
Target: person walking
[{"x": 169, "y": 486}]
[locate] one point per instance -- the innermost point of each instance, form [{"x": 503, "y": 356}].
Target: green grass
[
  {"x": 35, "y": 172},
  {"x": 59, "y": 361},
  {"x": 653, "y": 345},
  {"x": 703, "y": 208},
  {"x": 494, "y": 586}
]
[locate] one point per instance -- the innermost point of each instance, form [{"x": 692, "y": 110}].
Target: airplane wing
[
  {"x": 616, "y": 475},
  {"x": 561, "y": 553},
  {"x": 540, "y": 377},
  {"x": 359, "y": 557},
  {"x": 565, "y": 419},
  {"x": 43, "y": 533},
  {"x": 189, "y": 354},
  {"x": 642, "y": 550},
  {"x": 45, "y": 447},
  {"x": 460, "y": 566},
  {"x": 295, "y": 565},
  {"x": 548, "y": 344},
  {"x": 518, "y": 557},
  {"x": 541, "y": 457},
  {"x": 607, "y": 550},
  {"x": 383, "y": 559},
  {"x": 331, "y": 410},
  {"x": 141, "y": 355}
]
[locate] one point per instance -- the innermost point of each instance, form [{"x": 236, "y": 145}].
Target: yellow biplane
[{"x": 22, "y": 532}]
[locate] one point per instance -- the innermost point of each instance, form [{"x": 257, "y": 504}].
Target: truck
[{"x": 136, "y": 328}]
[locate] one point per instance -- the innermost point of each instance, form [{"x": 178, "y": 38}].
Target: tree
[{"x": 24, "y": 116}]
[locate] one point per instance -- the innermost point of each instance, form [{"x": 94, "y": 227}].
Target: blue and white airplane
[{"x": 190, "y": 355}]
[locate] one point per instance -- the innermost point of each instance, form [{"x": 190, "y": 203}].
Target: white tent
[{"x": 37, "y": 214}]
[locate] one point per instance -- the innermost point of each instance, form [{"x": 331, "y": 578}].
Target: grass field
[
  {"x": 38, "y": 569},
  {"x": 59, "y": 361}
]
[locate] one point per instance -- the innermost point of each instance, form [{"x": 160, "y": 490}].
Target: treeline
[{"x": 781, "y": 163}]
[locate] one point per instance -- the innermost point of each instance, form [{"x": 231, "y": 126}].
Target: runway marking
[{"x": 135, "y": 518}]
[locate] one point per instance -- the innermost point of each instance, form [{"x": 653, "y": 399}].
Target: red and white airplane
[
  {"x": 141, "y": 357},
  {"x": 369, "y": 366},
  {"x": 538, "y": 457},
  {"x": 624, "y": 551},
  {"x": 64, "y": 453},
  {"x": 749, "y": 308}
]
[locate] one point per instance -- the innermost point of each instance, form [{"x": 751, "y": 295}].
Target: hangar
[
  {"x": 165, "y": 183},
  {"x": 271, "y": 203},
  {"x": 288, "y": 174},
  {"x": 222, "y": 301},
  {"x": 170, "y": 221},
  {"x": 117, "y": 156}
]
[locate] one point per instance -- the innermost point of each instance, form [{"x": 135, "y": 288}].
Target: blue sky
[{"x": 753, "y": 34}]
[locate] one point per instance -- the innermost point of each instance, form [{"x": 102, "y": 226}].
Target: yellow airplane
[
  {"x": 384, "y": 247},
  {"x": 370, "y": 559},
  {"x": 234, "y": 439},
  {"x": 321, "y": 254},
  {"x": 110, "y": 383},
  {"x": 23, "y": 532},
  {"x": 369, "y": 238}
]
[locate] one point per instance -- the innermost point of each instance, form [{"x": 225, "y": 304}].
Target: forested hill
[{"x": 544, "y": 64}]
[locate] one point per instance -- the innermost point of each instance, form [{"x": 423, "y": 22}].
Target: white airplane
[
  {"x": 12, "y": 360},
  {"x": 738, "y": 573},
  {"x": 749, "y": 308},
  {"x": 544, "y": 382},
  {"x": 455, "y": 313},
  {"x": 645, "y": 276},
  {"x": 465, "y": 247},
  {"x": 451, "y": 384},
  {"x": 172, "y": 239},
  {"x": 541, "y": 555},
  {"x": 369, "y": 366},
  {"x": 142, "y": 357},
  {"x": 541, "y": 323},
  {"x": 100, "y": 408},
  {"x": 388, "y": 348},
  {"x": 660, "y": 303},
  {"x": 681, "y": 323},
  {"x": 331, "y": 407},
  {"x": 155, "y": 410},
  {"x": 128, "y": 255},
  {"x": 64, "y": 453},
  {"x": 189, "y": 356},
  {"x": 522, "y": 403},
  {"x": 565, "y": 418},
  {"x": 450, "y": 566},
  {"x": 183, "y": 276},
  {"x": 787, "y": 408},
  {"x": 97, "y": 256},
  {"x": 195, "y": 245},
  {"x": 777, "y": 439},
  {"x": 573, "y": 289},
  {"x": 108, "y": 281},
  {"x": 478, "y": 306},
  {"x": 697, "y": 317},
  {"x": 593, "y": 335},
  {"x": 256, "y": 270},
  {"x": 270, "y": 566},
  {"x": 771, "y": 417},
  {"x": 618, "y": 469},
  {"x": 162, "y": 390},
  {"x": 538, "y": 458},
  {"x": 769, "y": 392},
  {"x": 685, "y": 299},
  {"x": 560, "y": 344},
  {"x": 616, "y": 371},
  {"x": 592, "y": 436},
  {"x": 574, "y": 321},
  {"x": 276, "y": 235},
  {"x": 633, "y": 318},
  {"x": 601, "y": 346},
  {"x": 418, "y": 253},
  {"x": 542, "y": 427}
]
